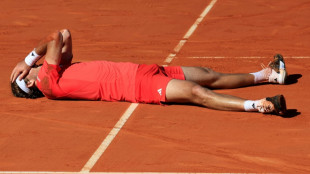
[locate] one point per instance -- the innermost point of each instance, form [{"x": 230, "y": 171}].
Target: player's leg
[
  {"x": 181, "y": 91},
  {"x": 67, "y": 47},
  {"x": 212, "y": 79},
  {"x": 274, "y": 73}
]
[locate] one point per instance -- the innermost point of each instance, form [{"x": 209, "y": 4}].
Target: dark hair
[{"x": 17, "y": 92}]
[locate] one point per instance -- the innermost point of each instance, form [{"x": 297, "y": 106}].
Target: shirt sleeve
[{"x": 48, "y": 78}]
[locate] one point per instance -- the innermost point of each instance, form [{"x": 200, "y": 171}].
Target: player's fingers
[
  {"x": 11, "y": 77},
  {"x": 14, "y": 75},
  {"x": 23, "y": 75}
]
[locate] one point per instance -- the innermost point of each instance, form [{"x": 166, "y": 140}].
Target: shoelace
[{"x": 263, "y": 66}]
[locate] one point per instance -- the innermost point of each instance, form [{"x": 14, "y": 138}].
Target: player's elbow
[{"x": 55, "y": 36}]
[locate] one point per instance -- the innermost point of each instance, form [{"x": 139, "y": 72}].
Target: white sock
[
  {"x": 251, "y": 105},
  {"x": 260, "y": 76}
]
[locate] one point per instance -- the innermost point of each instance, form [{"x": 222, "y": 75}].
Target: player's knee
[
  {"x": 200, "y": 94},
  {"x": 197, "y": 91},
  {"x": 65, "y": 34},
  {"x": 65, "y": 30},
  {"x": 213, "y": 76}
]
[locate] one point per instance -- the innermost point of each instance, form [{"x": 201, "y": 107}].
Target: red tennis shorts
[{"x": 152, "y": 80}]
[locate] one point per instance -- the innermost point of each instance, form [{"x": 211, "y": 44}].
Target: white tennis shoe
[{"x": 276, "y": 72}]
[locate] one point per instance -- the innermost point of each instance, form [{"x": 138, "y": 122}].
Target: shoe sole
[
  {"x": 282, "y": 76},
  {"x": 279, "y": 104},
  {"x": 282, "y": 70}
]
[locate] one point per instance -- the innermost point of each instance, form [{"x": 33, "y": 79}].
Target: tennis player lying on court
[{"x": 58, "y": 78}]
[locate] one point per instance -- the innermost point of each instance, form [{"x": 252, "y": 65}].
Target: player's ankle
[
  {"x": 262, "y": 75},
  {"x": 251, "y": 105}
]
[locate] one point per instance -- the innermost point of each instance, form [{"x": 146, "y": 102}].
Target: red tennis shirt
[{"x": 96, "y": 80}]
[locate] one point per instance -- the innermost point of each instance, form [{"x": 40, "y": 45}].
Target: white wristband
[{"x": 32, "y": 58}]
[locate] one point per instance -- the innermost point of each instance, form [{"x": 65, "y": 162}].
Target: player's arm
[
  {"x": 59, "y": 48},
  {"x": 55, "y": 39},
  {"x": 23, "y": 67}
]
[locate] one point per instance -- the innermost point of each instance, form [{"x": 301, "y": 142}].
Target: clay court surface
[{"x": 234, "y": 36}]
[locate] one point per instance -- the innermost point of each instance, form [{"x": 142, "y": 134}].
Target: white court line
[
  {"x": 245, "y": 57},
  {"x": 106, "y": 142},
  {"x": 43, "y": 172},
  {"x": 191, "y": 30}
]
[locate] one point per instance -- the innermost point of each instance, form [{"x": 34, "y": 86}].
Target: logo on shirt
[{"x": 159, "y": 91}]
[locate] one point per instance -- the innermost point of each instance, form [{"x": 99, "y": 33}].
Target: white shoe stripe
[{"x": 282, "y": 65}]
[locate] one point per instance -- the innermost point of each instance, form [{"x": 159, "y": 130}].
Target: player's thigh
[
  {"x": 179, "y": 91},
  {"x": 201, "y": 75}
]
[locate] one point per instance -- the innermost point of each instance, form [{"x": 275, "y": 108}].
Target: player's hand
[{"x": 21, "y": 69}]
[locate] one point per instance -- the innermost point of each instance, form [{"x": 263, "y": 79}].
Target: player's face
[{"x": 32, "y": 76}]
